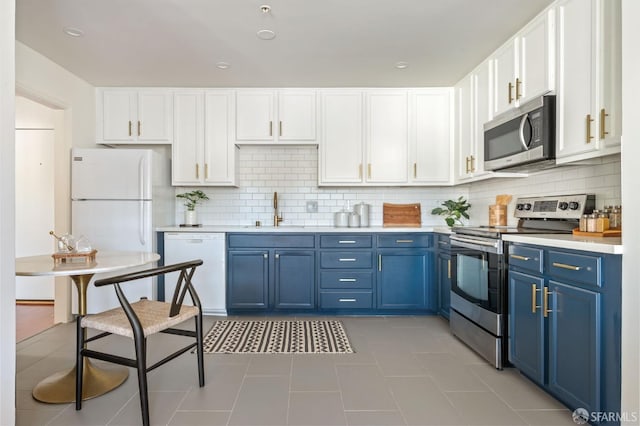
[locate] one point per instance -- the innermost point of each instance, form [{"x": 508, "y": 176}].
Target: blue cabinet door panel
[
  {"x": 526, "y": 327},
  {"x": 248, "y": 280},
  {"x": 574, "y": 345},
  {"x": 295, "y": 279},
  {"x": 402, "y": 280}
]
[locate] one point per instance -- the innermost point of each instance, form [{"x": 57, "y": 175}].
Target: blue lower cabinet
[
  {"x": 248, "y": 279},
  {"x": 574, "y": 345},
  {"x": 295, "y": 283},
  {"x": 403, "y": 279},
  {"x": 526, "y": 325}
]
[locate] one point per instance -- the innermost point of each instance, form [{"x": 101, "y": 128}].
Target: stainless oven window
[{"x": 472, "y": 275}]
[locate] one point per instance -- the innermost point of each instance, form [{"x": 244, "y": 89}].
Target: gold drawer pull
[
  {"x": 565, "y": 266},
  {"x": 404, "y": 241},
  {"x": 518, "y": 257},
  {"x": 545, "y": 302},
  {"x": 534, "y": 290}
]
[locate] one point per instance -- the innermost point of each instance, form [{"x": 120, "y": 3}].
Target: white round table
[{"x": 60, "y": 387}]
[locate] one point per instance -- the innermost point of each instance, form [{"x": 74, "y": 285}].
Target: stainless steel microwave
[{"x": 523, "y": 139}]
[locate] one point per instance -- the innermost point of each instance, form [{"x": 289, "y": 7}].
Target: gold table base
[{"x": 60, "y": 387}]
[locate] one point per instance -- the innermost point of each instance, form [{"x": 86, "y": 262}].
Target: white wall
[
  {"x": 293, "y": 173},
  {"x": 7, "y": 219},
  {"x": 631, "y": 199},
  {"x": 603, "y": 180}
]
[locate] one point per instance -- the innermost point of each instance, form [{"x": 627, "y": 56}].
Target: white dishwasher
[{"x": 209, "y": 279}]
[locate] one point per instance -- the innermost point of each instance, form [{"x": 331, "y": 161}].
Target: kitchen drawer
[
  {"x": 346, "y": 259},
  {"x": 529, "y": 258},
  {"x": 346, "y": 241},
  {"x": 346, "y": 279},
  {"x": 271, "y": 240},
  {"x": 583, "y": 268},
  {"x": 404, "y": 240},
  {"x": 346, "y": 300},
  {"x": 443, "y": 242}
]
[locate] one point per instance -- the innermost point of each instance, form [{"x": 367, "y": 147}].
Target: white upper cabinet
[
  {"x": 204, "y": 153},
  {"x": 431, "y": 136},
  {"x": 341, "y": 147},
  {"x": 589, "y": 75},
  {"x": 525, "y": 66},
  {"x": 134, "y": 116},
  {"x": 387, "y": 136},
  {"x": 270, "y": 116}
]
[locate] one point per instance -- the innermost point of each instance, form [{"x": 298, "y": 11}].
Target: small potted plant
[
  {"x": 191, "y": 199},
  {"x": 453, "y": 210}
]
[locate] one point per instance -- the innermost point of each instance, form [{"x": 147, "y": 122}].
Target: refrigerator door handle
[
  {"x": 141, "y": 182},
  {"x": 142, "y": 223}
]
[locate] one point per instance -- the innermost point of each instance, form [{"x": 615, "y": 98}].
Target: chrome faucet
[{"x": 276, "y": 218}]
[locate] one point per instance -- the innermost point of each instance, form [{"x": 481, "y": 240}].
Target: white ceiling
[{"x": 322, "y": 43}]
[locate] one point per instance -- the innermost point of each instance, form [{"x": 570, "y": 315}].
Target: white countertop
[
  {"x": 607, "y": 245},
  {"x": 291, "y": 228}
]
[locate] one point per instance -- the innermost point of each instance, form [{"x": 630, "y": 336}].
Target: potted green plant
[
  {"x": 453, "y": 211},
  {"x": 191, "y": 199}
]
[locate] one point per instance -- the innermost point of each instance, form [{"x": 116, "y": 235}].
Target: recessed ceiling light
[
  {"x": 402, "y": 65},
  {"x": 223, "y": 65},
  {"x": 266, "y": 34},
  {"x": 265, "y": 8},
  {"x": 73, "y": 32}
]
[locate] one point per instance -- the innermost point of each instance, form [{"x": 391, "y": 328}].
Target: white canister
[
  {"x": 341, "y": 219},
  {"x": 354, "y": 220},
  {"x": 363, "y": 210}
]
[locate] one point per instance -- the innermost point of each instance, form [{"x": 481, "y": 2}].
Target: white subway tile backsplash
[{"x": 292, "y": 172}]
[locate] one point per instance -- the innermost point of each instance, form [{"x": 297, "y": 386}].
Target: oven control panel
[{"x": 555, "y": 207}]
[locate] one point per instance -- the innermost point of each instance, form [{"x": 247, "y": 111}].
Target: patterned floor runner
[{"x": 284, "y": 337}]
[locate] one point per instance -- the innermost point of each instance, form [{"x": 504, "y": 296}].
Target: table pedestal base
[{"x": 61, "y": 387}]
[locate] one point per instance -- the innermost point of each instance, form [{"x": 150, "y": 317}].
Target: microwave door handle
[{"x": 523, "y": 121}]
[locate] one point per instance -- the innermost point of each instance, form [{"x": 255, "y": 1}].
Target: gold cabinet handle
[
  {"x": 534, "y": 290},
  {"x": 197, "y": 171},
  {"x": 603, "y": 116},
  {"x": 271, "y": 128},
  {"x": 379, "y": 262},
  {"x": 467, "y": 165},
  {"x": 509, "y": 96},
  {"x": 360, "y": 171},
  {"x": 404, "y": 241},
  {"x": 415, "y": 170},
  {"x": 369, "y": 171},
  {"x": 545, "y": 302},
  {"x": 518, "y": 257},
  {"x": 280, "y": 128},
  {"x": 206, "y": 170},
  {"x": 473, "y": 163},
  {"x": 129, "y": 127},
  {"x": 518, "y": 83},
  {"x": 139, "y": 128},
  {"x": 565, "y": 266},
  {"x": 449, "y": 268},
  {"x": 588, "y": 123}
]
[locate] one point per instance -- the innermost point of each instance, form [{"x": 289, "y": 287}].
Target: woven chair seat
[{"x": 153, "y": 315}]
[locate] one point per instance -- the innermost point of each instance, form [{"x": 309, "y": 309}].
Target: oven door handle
[
  {"x": 471, "y": 241},
  {"x": 484, "y": 246}
]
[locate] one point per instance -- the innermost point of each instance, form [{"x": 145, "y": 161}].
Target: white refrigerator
[{"x": 118, "y": 197}]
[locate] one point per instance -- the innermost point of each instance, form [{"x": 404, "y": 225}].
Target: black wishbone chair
[{"x": 138, "y": 321}]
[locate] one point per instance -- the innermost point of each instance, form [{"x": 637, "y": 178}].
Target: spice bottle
[
  {"x": 602, "y": 222},
  {"x": 591, "y": 223},
  {"x": 583, "y": 222},
  {"x": 614, "y": 218}
]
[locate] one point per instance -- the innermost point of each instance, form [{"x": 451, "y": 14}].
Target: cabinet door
[
  {"x": 295, "y": 282},
  {"x": 254, "y": 115},
  {"x": 574, "y": 345},
  {"x": 536, "y": 73},
  {"x": 403, "y": 280},
  {"x": 187, "y": 162},
  {"x": 155, "y": 117},
  {"x": 505, "y": 77},
  {"x": 297, "y": 116},
  {"x": 609, "y": 81},
  {"x": 483, "y": 102},
  {"x": 526, "y": 325},
  {"x": 219, "y": 147},
  {"x": 444, "y": 284},
  {"x": 431, "y": 130},
  {"x": 341, "y": 147},
  {"x": 387, "y": 137},
  {"x": 248, "y": 279},
  {"x": 118, "y": 115},
  {"x": 464, "y": 126},
  {"x": 576, "y": 130}
]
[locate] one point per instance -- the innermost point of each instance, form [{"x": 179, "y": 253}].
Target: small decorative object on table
[
  {"x": 453, "y": 210},
  {"x": 191, "y": 199},
  {"x": 70, "y": 250}
]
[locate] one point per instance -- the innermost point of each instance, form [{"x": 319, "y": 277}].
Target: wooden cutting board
[{"x": 401, "y": 215}]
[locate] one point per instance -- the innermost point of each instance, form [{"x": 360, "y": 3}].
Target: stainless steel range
[{"x": 479, "y": 297}]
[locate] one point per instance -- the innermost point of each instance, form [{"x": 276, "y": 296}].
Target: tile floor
[{"x": 406, "y": 371}]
